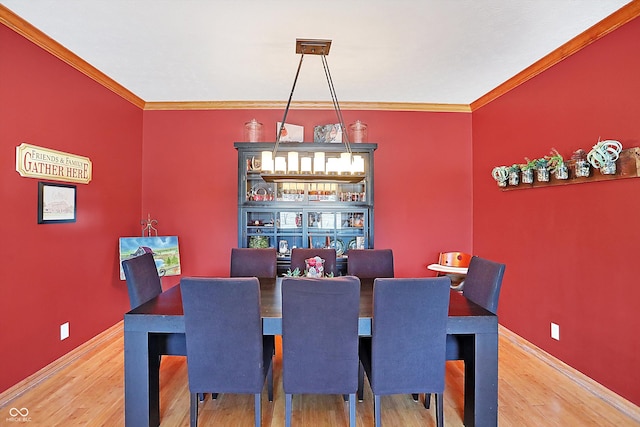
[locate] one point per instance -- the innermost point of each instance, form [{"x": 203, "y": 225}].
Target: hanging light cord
[
  {"x": 286, "y": 110},
  {"x": 334, "y": 99},
  {"x": 336, "y": 106}
]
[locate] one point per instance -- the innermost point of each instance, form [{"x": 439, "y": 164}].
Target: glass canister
[
  {"x": 253, "y": 131},
  {"x": 358, "y": 132}
]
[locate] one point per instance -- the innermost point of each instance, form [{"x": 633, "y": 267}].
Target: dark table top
[{"x": 166, "y": 309}]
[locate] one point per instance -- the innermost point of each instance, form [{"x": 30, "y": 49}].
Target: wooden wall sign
[{"x": 38, "y": 162}]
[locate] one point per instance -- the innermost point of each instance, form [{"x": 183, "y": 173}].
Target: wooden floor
[{"x": 90, "y": 391}]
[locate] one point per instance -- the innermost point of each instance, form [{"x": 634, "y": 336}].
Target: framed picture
[
  {"x": 164, "y": 249},
  {"x": 56, "y": 203}
]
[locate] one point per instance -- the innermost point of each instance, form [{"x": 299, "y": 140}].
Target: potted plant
[
  {"x": 527, "y": 171},
  {"x": 542, "y": 169},
  {"x": 501, "y": 175},
  {"x": 557, "y": 166},
  {"x": 582, "y": 166},
  {"x": 514, "y": 174}
]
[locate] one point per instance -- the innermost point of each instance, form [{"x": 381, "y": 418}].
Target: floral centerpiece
[{"x": 314, "y": 268}]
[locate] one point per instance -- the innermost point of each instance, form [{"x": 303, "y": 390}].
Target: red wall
[
  {"x": 570, "y": 250},
  {"x": 57, "y": 273},
  {"x": 422, "y": 181}
]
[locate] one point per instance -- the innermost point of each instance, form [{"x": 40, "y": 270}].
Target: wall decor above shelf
[{"x": 627, "y": 166}]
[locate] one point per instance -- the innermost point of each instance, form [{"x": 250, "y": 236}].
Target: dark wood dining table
[{"x": 163, "y": 315}]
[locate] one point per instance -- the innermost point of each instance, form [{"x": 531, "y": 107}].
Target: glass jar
[
  {"x": 562, "y": 172},
  {"x": 582, "y": 168},
  {"x": 527, "y": 176},
  {"x": 514, "y": 177},
  {"x": 609, "y": 168},
  {"x": 253, "y": 131},
  {"x": 358, "y": 132},
  {"x": 542, "y": 174}
]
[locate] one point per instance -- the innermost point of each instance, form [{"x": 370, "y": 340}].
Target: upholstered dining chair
[
  {"x": 370, "y": 263},
  {"x": 253, "y": 262},
  {"x": 143, "y": 284},
  {"x": 226, "y": 351},
  {"x": 482, "y": 286},
  {"x": 320, "y": 338},
  {"x": 298, "y": 255},
  {"x": 143, "y": 281},
  {"x": 406, "y": 352}
]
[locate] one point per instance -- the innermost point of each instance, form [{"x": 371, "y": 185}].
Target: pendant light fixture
[{"x": 319, "y": 168}]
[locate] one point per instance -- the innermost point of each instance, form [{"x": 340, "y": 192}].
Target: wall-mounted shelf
[{"x": 627, "y": 166}]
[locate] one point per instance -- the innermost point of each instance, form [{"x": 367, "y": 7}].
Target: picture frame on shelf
[
  {"x": 290, "y": 133},
  {"x": 328, "y": 133},
  {"x": 56, "y": 203}
]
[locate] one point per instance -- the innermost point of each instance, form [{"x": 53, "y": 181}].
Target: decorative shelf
[{"x": 627, "y": 166}]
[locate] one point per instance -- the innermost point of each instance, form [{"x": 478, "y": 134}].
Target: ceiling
[{"x": 422, "y": 51}]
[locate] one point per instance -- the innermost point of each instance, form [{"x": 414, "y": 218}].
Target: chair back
[
  {"x": 454, "y": 259},
  {"x": 298, "y": 255},
  {"x": 409, "y": 335},
  {"x": 253, "y": 262},
  {"x": 143, "y": 281},
  {"x": 223, "y": 329},
  {"x": 370, "y": 263},
  {"x": 483, "y": 282},
  {"x": 320, "y": 335}
]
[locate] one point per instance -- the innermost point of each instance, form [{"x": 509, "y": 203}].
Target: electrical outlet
[
  {"x": 64, "y": 331},
  {"x": 555, "y": 331}
]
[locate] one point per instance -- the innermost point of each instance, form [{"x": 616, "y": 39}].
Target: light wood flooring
[{"x": 86, "y": 388}]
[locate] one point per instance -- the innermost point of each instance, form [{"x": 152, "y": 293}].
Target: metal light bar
[{"x": 313, "y": 47}]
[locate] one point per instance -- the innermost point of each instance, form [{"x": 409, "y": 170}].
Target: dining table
[{"x": 163, "y": 315}]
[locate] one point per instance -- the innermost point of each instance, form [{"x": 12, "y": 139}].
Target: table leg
[
  {"x": 481, "y": 382},
  {"x": 141, "y": 380}
]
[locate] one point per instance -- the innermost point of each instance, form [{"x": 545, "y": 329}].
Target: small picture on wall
[{"x": 56, "y": 203}]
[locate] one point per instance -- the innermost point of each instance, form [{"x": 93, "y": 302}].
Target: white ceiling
[{"x": 424, "y": 51}]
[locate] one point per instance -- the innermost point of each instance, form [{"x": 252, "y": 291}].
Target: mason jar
[
  {"x": 582, "y": 168},
  {"x": 562, "y": 172},
  {"x": 542, "y": 174},
  {"x": 514, "y": 178},
  {"x": 609, "y": 168}
]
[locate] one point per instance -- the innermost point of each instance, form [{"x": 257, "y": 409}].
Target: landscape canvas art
[{"x": 164, "y": 249}]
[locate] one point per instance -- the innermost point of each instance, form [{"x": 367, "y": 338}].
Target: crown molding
[
  {"x": 31, "y": 33},
  {"x": 596, "y": 32},
  {"x": 306, "y": 105}
]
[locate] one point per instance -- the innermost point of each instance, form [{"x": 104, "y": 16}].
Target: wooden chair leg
[
  {"x": 257, "y": 409},
  {"x": 287, "y": 410}
]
